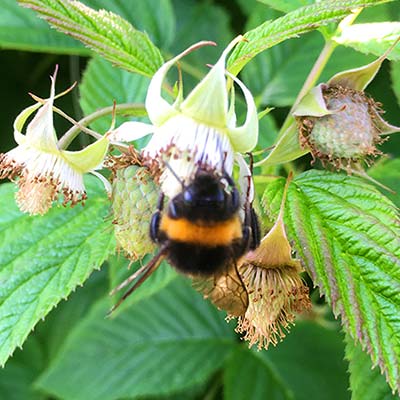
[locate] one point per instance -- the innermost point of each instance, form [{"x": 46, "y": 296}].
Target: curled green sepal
[
  {"x": 359, "y": 78},
  {"x": 288, "y": 148},
  {"x": 89, "y": 158},
  {"x": 313, "y": 104}
]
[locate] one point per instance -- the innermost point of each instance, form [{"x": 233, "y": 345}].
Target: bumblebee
[{"x": 202, "y": 232}]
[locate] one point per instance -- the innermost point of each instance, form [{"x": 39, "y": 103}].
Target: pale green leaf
[
  {"x": 104, "y": 32},
  {"x": 308, "y": 362},
  {"x": 21, "y": 29},
  {"x": 160, "y": 345},
  {"x": 348, "y": 236},
  {"x": 365, "y": 383},
  {"x": 155, "y": 17},
  {"x": 44, "y": 258},
  {"x": 102, "y": 84},
  {"x": 373, "y": 38},
  {"x": 286, "y": 5},
  {"x": 199, "y": 20},
  {"x": 54, "y": 330},
  {"x": 290, "y": 25}
]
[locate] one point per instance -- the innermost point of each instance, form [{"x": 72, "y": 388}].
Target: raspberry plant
[{"x": 343, "y": 226}]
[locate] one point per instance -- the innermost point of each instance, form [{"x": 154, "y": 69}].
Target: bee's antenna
[{"x": 166, "y": 163}]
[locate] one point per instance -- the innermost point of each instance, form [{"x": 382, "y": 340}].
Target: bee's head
[{"x": 209, "y": 195}]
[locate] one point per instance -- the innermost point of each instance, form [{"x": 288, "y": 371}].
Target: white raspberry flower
[
  {"x": 41, "y": 169},
  {"x": 199, "y": 130}
]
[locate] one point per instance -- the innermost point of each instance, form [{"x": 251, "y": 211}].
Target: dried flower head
[
  {"x": 275, "y": 288},
  {"x": 40, "y": 168}
]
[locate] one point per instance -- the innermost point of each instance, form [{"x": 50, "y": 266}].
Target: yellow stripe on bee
[{"x": 217, "y": 234}]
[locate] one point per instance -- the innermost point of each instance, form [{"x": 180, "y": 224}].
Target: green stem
[
  {"x": 316, "y": 70},
  {"x": 135, "y": 109},
  {"x": 319, "y": 66},
  {"x": 311, "y": 80}
]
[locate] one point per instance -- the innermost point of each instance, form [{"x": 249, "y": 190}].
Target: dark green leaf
[
  {"x": 196, "y": 21},
  {"x": 21, "y": 29},
  {"x": 102, "y": 84},
  {"x": 16, "y": 379},
  {"x": 395, "y": 74},
  {"x": 387, "y": 172},
  {"x": 44, "y": 258},
  {"x": 249, "y": 374},
  {"x": 347, "y": 234},
  {"x": 160, "y": 345},
  {"x": 308, "y": 364}
]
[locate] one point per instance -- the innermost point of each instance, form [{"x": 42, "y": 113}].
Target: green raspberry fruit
[
  {"x": 134, "y": 200},
  {"x": 349, "y": 133}
]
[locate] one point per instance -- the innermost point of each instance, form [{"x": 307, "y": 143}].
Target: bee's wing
[
  {"x": 142, "y": 274},
  {"x": 227, "y": 291}
]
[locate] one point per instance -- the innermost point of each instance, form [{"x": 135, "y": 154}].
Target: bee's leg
[
  {"x": 251, "y": 219},
  {"x": 255, "y": 230},
  {"x": 155, "y": 219},
  {"x": 251, "y": 234}
]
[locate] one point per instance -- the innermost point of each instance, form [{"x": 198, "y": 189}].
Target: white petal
[
  {"x": 130, "y": 131},
  {"x": 244, "y": 138},
  {"x": 40, "y": 131},
  {"x": 245, "y": 180},
  {"x": 158, "y": 109},
  {"x": 182, "y": 138}
]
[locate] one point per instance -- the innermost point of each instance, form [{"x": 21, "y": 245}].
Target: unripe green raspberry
[
  {"x": 134, "y": 201},
  {"x": 349, "y": 133}
]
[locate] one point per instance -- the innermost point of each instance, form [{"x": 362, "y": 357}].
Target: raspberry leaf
[
  {"x": 103, "y": 31},
  {"x": 348, "y": 236},
  {"x": 142, "y": 348},
  {"x": 366, "y": 383},
  {"x": 294, "y": 23},
  {"x": 39, "y": 267}
]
